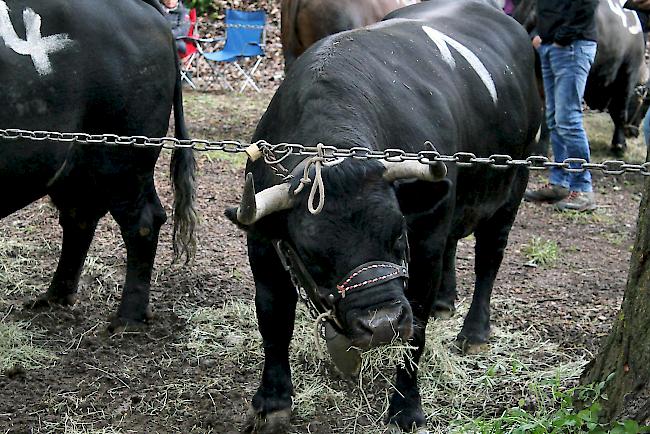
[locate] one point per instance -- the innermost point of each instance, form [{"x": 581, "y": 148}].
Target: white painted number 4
[{"x": 34, "y": 45}]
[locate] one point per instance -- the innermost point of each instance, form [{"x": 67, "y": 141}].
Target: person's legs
[
  {"x": 571, "y": 66},
  {"x": 557, "y": 189},
  {"x": 549, "y": 75}
]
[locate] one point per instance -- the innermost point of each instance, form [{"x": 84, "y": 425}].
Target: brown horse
[{"x": 306, "y": 21}]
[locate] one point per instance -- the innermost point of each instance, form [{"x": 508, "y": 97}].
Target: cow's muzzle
[{"x": 381, "y": 326}]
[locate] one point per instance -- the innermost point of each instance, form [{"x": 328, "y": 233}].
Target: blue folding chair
[{"x": 245, "y": 38}]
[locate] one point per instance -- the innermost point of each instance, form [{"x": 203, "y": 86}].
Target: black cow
[
  {"x": 619, "y": 66},
  {"x": 430, "y": 72},
  {"x": 94, "y": 67}
]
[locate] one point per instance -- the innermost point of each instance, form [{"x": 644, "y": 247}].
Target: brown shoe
[
  {"x": 549, "y": 193},
  {"x": 577, "y": 201}
]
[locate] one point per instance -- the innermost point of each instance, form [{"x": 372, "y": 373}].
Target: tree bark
[{"x": 626, "y": 351}]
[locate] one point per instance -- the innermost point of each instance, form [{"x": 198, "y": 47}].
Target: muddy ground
[{"x": 177, "y": 376}]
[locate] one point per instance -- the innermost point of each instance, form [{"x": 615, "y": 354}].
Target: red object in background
[{"x": 190, "y": 44}]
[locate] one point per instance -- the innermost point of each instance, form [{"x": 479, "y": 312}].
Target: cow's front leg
[
  {"x": 78, "y": 225},
  {"x": 618, "y": 112},
  {"x": 491, "y": 241},
  {"x": 405, "y": 409},
  {"x": 140, "y": 224},
  {"x": 444, "y": 306},
  {"x": 275, "y": 303}
]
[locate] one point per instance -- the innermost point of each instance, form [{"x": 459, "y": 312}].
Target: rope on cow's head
[
  {"x": 318, "y": 324},
  {"x": 317, "y": 185}
]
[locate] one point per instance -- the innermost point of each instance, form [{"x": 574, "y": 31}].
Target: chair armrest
[
  {"x": 196, "y": 39},
  {"x": 208, "y": 40}
]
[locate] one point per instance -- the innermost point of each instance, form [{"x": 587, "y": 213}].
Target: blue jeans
[{"x": 565, "y": 71}]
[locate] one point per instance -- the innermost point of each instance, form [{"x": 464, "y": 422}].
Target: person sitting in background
[{"x": 179, "y": 21}]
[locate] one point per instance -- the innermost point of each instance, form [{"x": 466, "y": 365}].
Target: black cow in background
[
  {"x": 429, "y": 72},
  {"x": 93, "y": 66},
  {"x": 618, "y": 69}
]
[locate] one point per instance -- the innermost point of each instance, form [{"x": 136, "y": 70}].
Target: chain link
[{"x": 274, "y": 155}]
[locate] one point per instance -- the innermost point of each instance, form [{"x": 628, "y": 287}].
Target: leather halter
[
  {"x": 371, "y": 274},
  {"x": 364, "y": 276}
]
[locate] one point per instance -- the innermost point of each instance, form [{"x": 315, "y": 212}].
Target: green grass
[
  {"x": 565, "y": 417},
  {"x": 541, "y": 252},
  {"x": 596, "y": 217},
  {"x": 238, "y": 161},
  {"x": 224, "y": 116},
  {"x": 616, "y": 238},
  {"x": 600, "y": 127}
]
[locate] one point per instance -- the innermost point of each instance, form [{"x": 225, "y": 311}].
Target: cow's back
[
  {"x": 620, "y": 55},
  {"x": 409, "y": 80},
  {"x": 351, "y": 78},
  {"x": 109, "y": 68}
]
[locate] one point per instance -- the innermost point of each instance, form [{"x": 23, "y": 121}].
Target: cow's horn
[
  {"x": 255, "y": 206},
  {"x": 414, "y": 169}
]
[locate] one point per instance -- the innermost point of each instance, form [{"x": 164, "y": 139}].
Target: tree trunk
[{"x": 626, "y": 351}]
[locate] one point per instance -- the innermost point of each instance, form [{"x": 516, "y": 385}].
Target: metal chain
[{"x": 275, "y": 154}]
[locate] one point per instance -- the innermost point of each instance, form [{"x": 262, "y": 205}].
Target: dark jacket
[
  {"x": 565, "y": 21},
  {"x": 179, "y": 21}
]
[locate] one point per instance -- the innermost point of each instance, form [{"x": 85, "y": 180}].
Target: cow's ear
[{"x": 421, "y": 197}]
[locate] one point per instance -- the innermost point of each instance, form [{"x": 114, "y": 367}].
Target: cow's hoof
[
  {"x": 408, "y": 420},
  {"x": 394, "y": 429},
  {"x": 631, "y": 131},
  {"x": 471, "y": 347},
  {"x": 276, "y": 422},
  {"x": 618, "y": 149},
  {"x": 120, "y": 324},
  {"x": 443, "y": 313},
  {"x": 49, "y": 299},
  {"x": 443, "y": 309}
]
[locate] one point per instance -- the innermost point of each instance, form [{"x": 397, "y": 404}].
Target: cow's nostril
[{"x": 383, "y": 326}]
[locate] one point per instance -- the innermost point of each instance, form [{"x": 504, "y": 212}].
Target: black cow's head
[
  {"x": 637, "y": 107},
  {"x": 355, "y": 244}
]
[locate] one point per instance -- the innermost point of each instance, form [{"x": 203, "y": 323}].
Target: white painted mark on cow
[
  {"x": 34, "y": 45},
  {"x": 443, "y": 42},
  {"x": 629, "y": 19}
]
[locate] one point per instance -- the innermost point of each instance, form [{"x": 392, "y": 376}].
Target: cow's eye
[{"x": 400, "y": 243}]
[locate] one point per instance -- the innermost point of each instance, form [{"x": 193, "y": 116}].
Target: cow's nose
[{"x": 382, "y": 326}]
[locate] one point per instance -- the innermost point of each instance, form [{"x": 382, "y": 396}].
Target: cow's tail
[{"x": 183, "y": 177}]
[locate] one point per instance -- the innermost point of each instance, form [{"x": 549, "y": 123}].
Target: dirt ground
[{"x": 62, "y": 372}]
